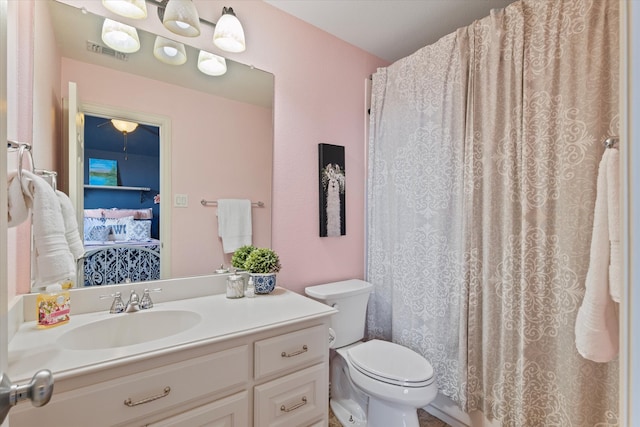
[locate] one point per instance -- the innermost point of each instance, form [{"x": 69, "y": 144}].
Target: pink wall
[
  {"x": 319, "y": 98},
  {"x": 214, "y": 155}
]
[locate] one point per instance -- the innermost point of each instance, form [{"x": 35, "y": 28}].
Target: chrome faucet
[{"x": 133, "y": 304}]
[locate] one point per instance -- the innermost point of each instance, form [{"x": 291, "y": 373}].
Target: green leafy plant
[
  {"x": 239, "y": 257},
  {"x": 262, "y": 261}
]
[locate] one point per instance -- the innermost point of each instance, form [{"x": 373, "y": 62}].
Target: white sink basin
[{"x": 126, "y": 329}]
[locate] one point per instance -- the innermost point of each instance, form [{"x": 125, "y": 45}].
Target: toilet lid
[{"x": 391, "y": 363}]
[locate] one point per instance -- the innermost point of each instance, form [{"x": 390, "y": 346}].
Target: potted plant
[
  {"x": 263, "y": 264},
  {"x": 239, "y": 257}
]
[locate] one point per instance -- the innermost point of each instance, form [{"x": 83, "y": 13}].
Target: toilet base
[
  {"x": 348, "y": 412},
  {"x": 381, "y": 414}
]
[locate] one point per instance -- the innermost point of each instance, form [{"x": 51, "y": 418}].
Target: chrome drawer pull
[
  {"x": 294, "y": 407},
  {"x": 295, "y": 353},
  {"x": 165, "y": 393}
]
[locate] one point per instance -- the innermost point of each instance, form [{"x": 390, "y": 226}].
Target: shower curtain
[{"x": 483, "y": 158}]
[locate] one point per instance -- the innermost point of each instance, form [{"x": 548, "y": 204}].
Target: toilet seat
[{"x": 391, "y": 363}]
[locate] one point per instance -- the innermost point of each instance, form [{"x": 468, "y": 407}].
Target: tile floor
[{"x": 426, "y": 420}]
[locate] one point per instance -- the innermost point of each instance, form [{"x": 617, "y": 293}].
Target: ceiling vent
[{"x": 104, "y": 50}]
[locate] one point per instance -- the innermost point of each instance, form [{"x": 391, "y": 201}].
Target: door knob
[{"x": 39, "y": 391}]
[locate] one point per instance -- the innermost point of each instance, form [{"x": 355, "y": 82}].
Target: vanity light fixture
[
  {"x": 169, "y": 51},
  {"x": 134, "y": 9},
  {"x": 181, "y": 17},
  {"x": 229, "y": 34},
  {"x": 210, "y": 64},
  {"x": 120, "y": 37}
]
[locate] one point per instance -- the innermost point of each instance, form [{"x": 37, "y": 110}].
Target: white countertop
[{"x": 32, "y": 349}]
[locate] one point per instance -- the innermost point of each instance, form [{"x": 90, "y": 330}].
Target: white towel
[
  {"x": 18, "y": 210},
  {"x": 54, "y": 261},
  {"x": 613, "y": 204},
  {"x": 70, "y": 226},
  {"x": 234, "y": 223},
  {"x": 597, "y": 321}
]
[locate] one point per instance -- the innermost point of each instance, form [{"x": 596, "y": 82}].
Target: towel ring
[{"x": 22, "y": 148}]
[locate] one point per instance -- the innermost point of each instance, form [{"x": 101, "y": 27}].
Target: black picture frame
[{"x": 332, "y": 190}]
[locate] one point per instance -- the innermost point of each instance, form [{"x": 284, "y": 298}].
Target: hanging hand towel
[
  {"x": 54, "y": 261},
  {"x": 234, "y": 223},
  {"x": 613, "y": 205},
  {"x": 18, "y": 210},
  {"x": 70, "y": 226},
  {"x": 597, "y": 321}
]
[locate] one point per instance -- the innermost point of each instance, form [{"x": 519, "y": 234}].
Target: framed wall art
[
  {"x": 103, "y": 172},
  {"x": 332, "y": 190}
]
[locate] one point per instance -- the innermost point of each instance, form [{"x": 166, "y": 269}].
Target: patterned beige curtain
[{"x": 480, "y": 228}]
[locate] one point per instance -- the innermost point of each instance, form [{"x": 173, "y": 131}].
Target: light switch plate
[{"x": 180, "y": 200}]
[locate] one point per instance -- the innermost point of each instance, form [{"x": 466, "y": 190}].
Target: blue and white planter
[{"x": 264, "y": 283}]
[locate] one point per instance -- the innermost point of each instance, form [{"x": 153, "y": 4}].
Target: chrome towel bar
[{"x": 204, "y": 202}]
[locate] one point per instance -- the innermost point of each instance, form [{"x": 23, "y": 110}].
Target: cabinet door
[
  {"x": 231, "y": 411},
  {"x": 293, "y": 400}
]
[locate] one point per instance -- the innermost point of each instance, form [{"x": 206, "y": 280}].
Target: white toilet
[{"x": 373, "y": 383}]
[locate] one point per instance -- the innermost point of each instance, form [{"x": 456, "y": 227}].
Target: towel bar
[{"x": 204, "y": 202}]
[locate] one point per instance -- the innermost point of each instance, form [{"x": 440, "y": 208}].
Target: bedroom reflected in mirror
[{"x": 121, "y": 215}]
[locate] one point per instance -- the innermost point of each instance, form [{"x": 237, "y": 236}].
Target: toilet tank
[{"x": 350, "y": 298}]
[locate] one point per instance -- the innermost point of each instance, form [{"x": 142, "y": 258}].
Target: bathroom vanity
[{"x": 259, "y": 361}]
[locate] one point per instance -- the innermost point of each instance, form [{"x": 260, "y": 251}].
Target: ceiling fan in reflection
[{"x": 126, "y": 127}]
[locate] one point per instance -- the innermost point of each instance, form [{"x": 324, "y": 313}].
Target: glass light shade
[
  {"x": 210, "y": 64},
  {"x": 229, "y": 35},
  {"x": 181, "y": 17},
  {"x": 121, "y": 37},
  {"x": 169, "y": 52},
  {"x": 135, "y": 9},
  {"x": 124, "y": 126}
]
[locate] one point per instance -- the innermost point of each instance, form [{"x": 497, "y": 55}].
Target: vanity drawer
[
  {"x": 228, "y": 412},
  {"x": 290, "y": 351},
  {"x": 293, "y": 400},
  {"x": 135, "y": 396}
]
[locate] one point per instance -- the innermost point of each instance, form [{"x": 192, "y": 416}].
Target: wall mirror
[{"x": 221, "y": 133}]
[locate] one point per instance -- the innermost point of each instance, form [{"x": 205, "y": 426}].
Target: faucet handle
[
  {"x": 145, "y": 301},
  {"x": 118, "y": 305}
]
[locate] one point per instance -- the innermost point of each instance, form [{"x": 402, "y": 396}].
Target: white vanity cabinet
[{"x": 275, "y": 377}]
